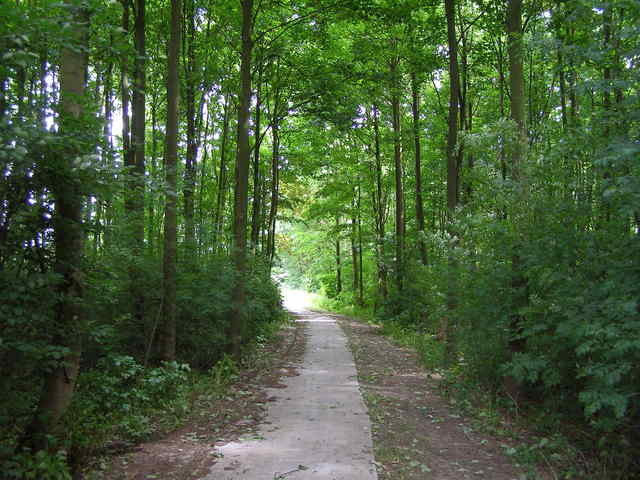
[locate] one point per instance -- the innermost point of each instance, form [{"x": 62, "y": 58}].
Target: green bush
[{"x": 117, "y": 399}]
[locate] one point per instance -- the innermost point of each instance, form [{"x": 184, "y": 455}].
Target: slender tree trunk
[
  {"x": 69, "y": 236},
  {"x": 107, "y": 151},
  {"x": 168, "y": 333},
  {"x": 239, "y": 253},
  {"x": 516, "y": 84},
  {"x": 354, "y": 246},
  {"x": 257, "y": 195},
  {"x": 221, "y": 197},
  {"x": 338, "y": 258},
  {"x": 124, "y": 90},
  {"x": 415, "y": 94},
  {"x": 153, "y": 235},
  {"x": 204, "y": 167},
  {"x": 134, "y": 195},
  {"x": 380, "y": 209},
  {"x": 192, "y": 141},
  {"x": 502, "y": 81},
  {"x": 360, "y": 270},
  {"x": 448, "y": 327},
  {"x": 606, "y": 71},
  {"x": 397, "y": 157},
  {"x": 275, "y": 188}
]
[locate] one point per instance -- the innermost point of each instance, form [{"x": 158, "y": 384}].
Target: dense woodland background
[{"x": 465, "y": 171}]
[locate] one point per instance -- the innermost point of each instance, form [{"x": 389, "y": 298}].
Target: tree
[
  {"x": 452, "y": 172},
  {"x": 168, "y": 338},
  {"x": 69, "y": 234},
  {"x": 241, "y": 193}
]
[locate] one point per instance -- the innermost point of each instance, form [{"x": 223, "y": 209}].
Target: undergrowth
[
  {"x": 536, "y": 438},
  {"x": 120, "y": 403}
]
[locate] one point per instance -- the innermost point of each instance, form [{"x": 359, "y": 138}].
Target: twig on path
[{"x": 281, "y": 476}]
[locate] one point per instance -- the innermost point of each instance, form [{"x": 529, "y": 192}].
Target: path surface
[{"x": 317, "y": 427}]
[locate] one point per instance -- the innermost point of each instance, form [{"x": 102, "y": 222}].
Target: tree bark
[
  {"x": 257, "y": 195},
  {"x": 69, "y": 236},
  {"x": 239, "y": 253},
  {"x": 360, "y": 270},
  {"x": 380, "y": 209},
  {"x": 448, "y": 327},
  {"x": 221, "y": 197},
  {"x": 516, "y": 84},
  {"x": 397, "y": 158},
  {"x": 275, "y": 188},
  {"x": 192, "y": 141},
  {"x": 124, "y": 92},
  {"x": 415, "y": 104},
  {"x": 135, "y": 161},
  {"x": 354, "y": 246},
  {"x": 168, "y": 334},
  {"x": 338, "y": 258}
]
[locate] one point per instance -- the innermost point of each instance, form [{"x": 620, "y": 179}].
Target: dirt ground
[
  {"x": 190, "y": 451},
  {"x": 416, "y": 434}
]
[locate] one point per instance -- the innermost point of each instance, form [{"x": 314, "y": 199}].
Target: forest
[{"x": 462, "y": 171}]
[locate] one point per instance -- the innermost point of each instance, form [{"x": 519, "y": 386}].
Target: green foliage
[
  {"x": 223, "y": 372},
  {"x": 428, "y": 347},
  {"x": 41, "y": 465},
  {"x": 119, "y": 398}
]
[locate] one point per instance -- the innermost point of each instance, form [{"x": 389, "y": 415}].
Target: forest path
[
  {"x": 418, "y": 434},
  {"x": 316, "y": 426}
]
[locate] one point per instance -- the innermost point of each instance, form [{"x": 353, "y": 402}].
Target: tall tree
[
  {"x": 240, "y": 205},
  {"x": 69, "y": 233},
  {"x": 221, "y": 196},
  {"x": 452, "y": 170},
  {"x": 379, "y": 203},
  {"x": 415, "y": 107},
  {"x": 134, "y": 195},
  {"x": 191, "y": 159},
  {"x": 516, "y": 84},
  {"x": 168, "y": 337},
  {"x": 394, "y": 66}
]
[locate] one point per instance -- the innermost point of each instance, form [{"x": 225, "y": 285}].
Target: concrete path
[{"x": 318, "y": 428}]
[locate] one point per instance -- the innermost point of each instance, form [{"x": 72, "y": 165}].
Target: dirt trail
[
  {"x": 417, "y": 434},
  {"x": 304, "y": 418},
  {"x": 317, "y": 427}
]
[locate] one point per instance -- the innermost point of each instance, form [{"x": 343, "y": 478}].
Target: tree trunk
[
  {"x": 354, "y": 246},
  {"x": 275, "y": 187},
  {"x": 107, "y": 151},
  {"x": 204, "y": 167},
  {"x": 168, "y": 334},
  {"x": 516, "y": 84},
  {"x": 448, "y": 327},
  {"x": 153, "y": 235},
  {"x": 134, "y": 195},
  {"x": 415, "y": 94},
  {"x": 380, "y": 209},
  {"x": 239, "y": 252},
  {"x": 360, "y": 270},
  {"x": 221, "y": 197},
  {"x": 338, "y": 258},
  {"x": 124, "y": 92},
  {"x": 397, "y": 157},
  {"x": 256, "y": 204},
  {"x": 69, "y": 236},
  {"x": 192, "y": 141}
]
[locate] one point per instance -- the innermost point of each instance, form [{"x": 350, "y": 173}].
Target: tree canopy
[{"x": 466, "y": 169}]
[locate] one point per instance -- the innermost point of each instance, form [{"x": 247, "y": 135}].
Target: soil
[
  {"x": 416, "y": 432},
  {"x": 190, "y": 451}
]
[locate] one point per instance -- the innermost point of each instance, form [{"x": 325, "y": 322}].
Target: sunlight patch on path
[{"x": 297, "y": 301}]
